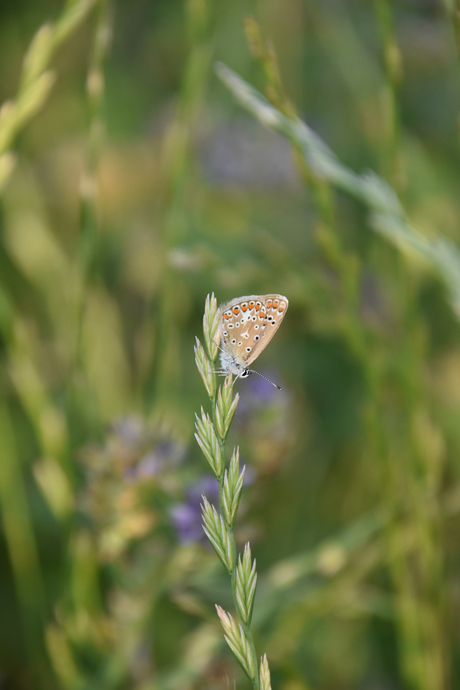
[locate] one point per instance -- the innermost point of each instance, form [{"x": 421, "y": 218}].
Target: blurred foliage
[{"x": 132, "y": 185}]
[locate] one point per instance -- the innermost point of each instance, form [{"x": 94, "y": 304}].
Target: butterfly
[{"x": 247, "y": 326}]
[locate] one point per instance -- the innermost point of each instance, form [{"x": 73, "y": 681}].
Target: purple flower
[
  {"x": 187, "y": 522},
  {"x": 186, "y": 516}
]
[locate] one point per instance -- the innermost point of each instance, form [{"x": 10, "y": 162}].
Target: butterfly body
[{"x": 247, "y": 326}]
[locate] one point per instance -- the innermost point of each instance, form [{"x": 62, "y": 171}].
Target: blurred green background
[{"x": 132, "y": 185}]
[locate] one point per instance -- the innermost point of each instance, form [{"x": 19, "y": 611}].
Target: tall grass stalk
[
  {"x": 23, "y": 377},
  {"x": 423, "y": 648},
  {"x": 36, "y": 80},
  {"x": 175, "y": 210},
  {"x": 411, "y": 486},
  {"x": 385, "y": 213},
  {"x": 211, "y": 435},
  {"x": 20, "y": 538},
  {"x": 393, "y": 74},
  {"x": 89, "y": 224},
  {"x": 454, "y": 7}
]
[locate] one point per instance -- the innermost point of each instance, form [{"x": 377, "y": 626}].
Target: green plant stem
[
  {"x": 423, "y": 656},
  {"x": 246, "y": 628},
  {"x": 386, "y": 215},
  {"x": 175, "y": 212},
  {"x": 95, "y": 93},
  {"x": 390, "y": 95},
  {"x": 455, "y": 13},
  {"x": 423, "y": 660},
  {"x": 20, "y": 538},
  {"x": 36, "y": 81}
]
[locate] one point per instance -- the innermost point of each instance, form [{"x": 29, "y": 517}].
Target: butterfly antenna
[{"x": 264, "y": 377}]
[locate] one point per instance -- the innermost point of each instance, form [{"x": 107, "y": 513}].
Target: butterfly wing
[{"x": 248, "y": 325}]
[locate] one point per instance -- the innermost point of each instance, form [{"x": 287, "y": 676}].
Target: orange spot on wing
[
  {"x": 236, "y": 310},
  {"x": 244, "y": 307},
  {"x": 262, "y": 315},
  {"x": 251, "y": 305},
  {"x": 258, "y": 305},
  {"x": 227, "y": 316},
  {"x": 269, "y": 304}
]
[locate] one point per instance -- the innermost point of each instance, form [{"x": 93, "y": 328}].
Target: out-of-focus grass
[{"x": 131, "y": 187}]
